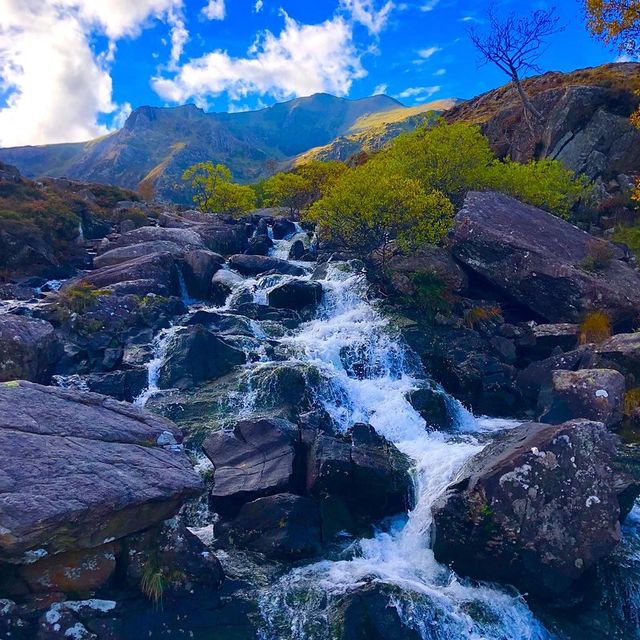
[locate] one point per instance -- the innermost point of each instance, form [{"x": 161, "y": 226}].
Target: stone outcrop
[
  {"x": 542, "y": 262},
  {"x": 594, "y": 394},
  {"x": 29, "y": 349},
  {"x": 537, "y": 508}
]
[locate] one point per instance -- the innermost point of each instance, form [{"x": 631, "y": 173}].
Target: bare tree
[{"x": 514, "y": 44}]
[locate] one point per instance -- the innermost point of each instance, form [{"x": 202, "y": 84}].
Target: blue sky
[{"x": 73, "y": 69}]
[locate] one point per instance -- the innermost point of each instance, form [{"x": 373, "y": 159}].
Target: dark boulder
[
  {"x": 224, "y": 237},
  {"x": 434, "y": 406},
  {"x": 256, "y": 459},
  {"x": 541, "y": 261},
  {"x": 594, "y": 394},
  {"x": 255, "y": 265},
  {"x": 621, "y": 352},
  {"x": 296, "y": 295},
  {"x": 282, "y": 227},
  {"x": 29, "y": 349},
  {"x": 195, "y": 355},
  {"x": 132, "y": 251},
  {"x": 259, "y": 246},
  {"x": 222, "y": 284},
  {"x": 283, "y": 526},
  {"x": 537, "y": 509},
  {"x": 80, "y": 442},
  {"x": 365, "y": 471},
  {"x": 371, "y": 613},
  {"x": 156, "y": 273},
  {"x": 124, "y": 385},
  {"x": 198, "y": 268},
  {"x": 297, "y": 250},
  {"x": 186, "y": 239}
]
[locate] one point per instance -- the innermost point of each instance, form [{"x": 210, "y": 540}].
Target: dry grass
[{"x": 595, "y": 328}]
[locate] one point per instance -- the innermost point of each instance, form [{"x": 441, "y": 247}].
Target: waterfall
[{"x": 299, "y": 605}]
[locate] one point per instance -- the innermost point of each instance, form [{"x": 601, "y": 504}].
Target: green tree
[
  {"x": 288, "y": 190},
  {"x": 320, "y": 176},
  {"x": 451, "y": 158},
  {"x": 368, "y": 208},
  {"x": 542, "y": 183},
  {"x": 214, "y": 192}
]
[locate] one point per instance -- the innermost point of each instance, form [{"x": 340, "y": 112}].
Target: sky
[{"x": 72, "y": 70}]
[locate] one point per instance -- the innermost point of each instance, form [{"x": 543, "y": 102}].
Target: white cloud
[
  {"x": 626, "y": 58},
  {"x": 214, "y": 10},
  {"x": 179, "y": 35},
  {"x": 380, "y": 89},
  {"x": 430, "y": 5},
  {"x": 440, "y": 72},
  {"x": 419, "y": 93},
  {"x": 365, "y": 12},
  {"x": 259, "y": 5},
  {"x": 428, "y": 52},
  {"x": 301, "y": 60},
  {"x": 57, "y": 85}
]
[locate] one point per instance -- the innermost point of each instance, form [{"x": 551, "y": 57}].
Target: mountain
[{"x": 156, "y": 144}]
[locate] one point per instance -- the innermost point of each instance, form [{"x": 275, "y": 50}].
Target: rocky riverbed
[{"x": 225, "y": 431}]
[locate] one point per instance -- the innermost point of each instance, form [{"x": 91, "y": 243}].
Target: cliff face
[{"x": 585, "y": 121}]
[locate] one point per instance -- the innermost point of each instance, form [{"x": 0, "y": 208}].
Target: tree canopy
[
  {"x": 214, "y": 192},
  {"x": 617, "y": 22}
]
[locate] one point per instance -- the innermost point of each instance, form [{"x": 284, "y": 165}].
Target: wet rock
[
  {"x": 295, "y": 294},
  {"x": 255, "y": 460},
  {"x": 195, "y": 355},
  {"x": 156, "y": 273},
  {"x": 222, "y": 284},
  {"x": 259, "y": 246},
  {"x": 224, "y": 324},
  {"x": 536, "y": 509},
  {"x": 224, "y": 238},
  {"x": 283, "y": 526},
  {"x": 371, "y": 612},
  {"x": 282, "y": 227},
  {"x": 363, "y": 469},
  {"x": 124, "y": 385},
  {"x": 540, "y": 261},
  {"x": 79, "y": 442},
  {"x": 130, "y": 252},
  {"x": 198, "y": 268},
  {"x": 29, "y": 349},
  {"x": 255, "y": 265},
  {"x": 594, "y": 394},
  {"x": 297, "y": 250},
  {"x": 434, "y": 406}
]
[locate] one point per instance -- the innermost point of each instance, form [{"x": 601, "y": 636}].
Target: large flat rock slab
[
  {"x": 543, "y": 262},
  {"x": 80, "y": 470}
]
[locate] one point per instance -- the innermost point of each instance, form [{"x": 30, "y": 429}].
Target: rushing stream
[{"x": 427, "y": 596}]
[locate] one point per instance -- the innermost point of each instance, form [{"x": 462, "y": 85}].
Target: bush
[
  {"x": 368, "y": 208},
  {"x": 82, "y": 297},
  {"x": 541, "y": 183},
  {"x": 287, "y": 190},
  {"x": 629, "y": 236},
  {"x": 595, "y": 328},
  {"x": 599, "y": 256},
  {"x": 432, "y": 294},
  {"x": 632, "y": 402}
]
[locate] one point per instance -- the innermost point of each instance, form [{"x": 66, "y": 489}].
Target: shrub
[
  {"x": 432, "y": 294},
  {"x": 595, "y": 328},
  {"x": 82, "y": 297},
  {"x": 599, "y": 256},
  {"x": 368, "y": 208},
  {"x": 631, "y": 402},
  {"x": 287, "y": 190},
  {"x": 629, "y": 236},
  {"x": 541, "y": 183},
  {"x": 477, "y": 316}
]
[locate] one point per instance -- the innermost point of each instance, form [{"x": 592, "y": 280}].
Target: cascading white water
[{"x": 298, "y": 606}]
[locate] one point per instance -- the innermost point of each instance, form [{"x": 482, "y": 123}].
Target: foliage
[
  {"x": 82, "y": 296},
  {"x": 153, "y": 582},
  {"x": 368, "y": 207},
  {"x": 632, "y": 401},
  {"x": 432, "y": 294},
  {"x": 456, "y": 158},
  {"x": 288, "y": 190},
  {"x": 595, "y": 328},
  {"x": 477, "y": 316},
  {"x": 214, "y": 192},
  {"x": 629, "y": 236},
  {"x": 542, "y": 183},
  {"x": 616, "y": 22},
  {"x": 320, "y": 176},
  {"x": 599, "y": 256},
  {"x": 452, "y": 158}
]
